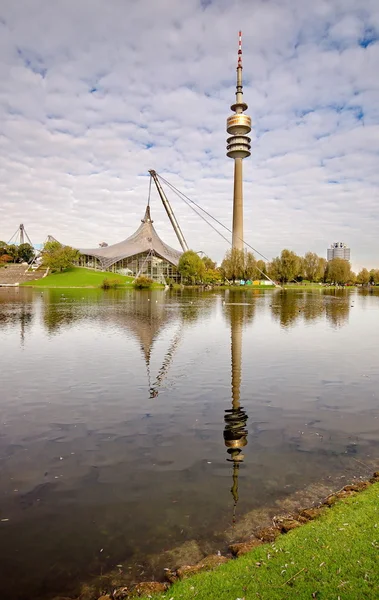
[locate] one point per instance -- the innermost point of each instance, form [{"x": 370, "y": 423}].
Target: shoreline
[{"x": 256, "y": 529}]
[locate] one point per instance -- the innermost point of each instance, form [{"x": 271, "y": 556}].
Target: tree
[
  {"x": 238, "y": 264},
  {"x": 322, "y": 269},
  {"x": 58, "y": 257},
  {"x": 286, "y": 267},
  {"x": 25, "y": 252},
  {"x": 363, "y": 277},
  {"x": 290, "y": 265},
  {"x": 338, "y": 271},
  {"x": 212, "y": 276},
  {"x": 311, "y": 266},
  {"x": 12, "y": 250},
  {"x": 261, "y": 269},
  {"x": 273, "y": 269},
  {"x": 232, "y": 265},
  {"x": 208, "y": 262},
  {"x": 374, "y": 276},
  {"x": 249, "y": 266},
  {"x": 191, "y": 267}
]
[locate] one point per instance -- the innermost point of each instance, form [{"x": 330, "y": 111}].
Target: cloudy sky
[{"x": 93, "y": 93}]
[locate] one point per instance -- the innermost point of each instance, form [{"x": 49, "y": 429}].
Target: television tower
[{"x": 238, "y": 147}]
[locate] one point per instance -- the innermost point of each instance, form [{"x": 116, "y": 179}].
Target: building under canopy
[{"x": 143, "y": 253}]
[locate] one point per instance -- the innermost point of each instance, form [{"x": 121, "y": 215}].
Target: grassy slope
[
  {"x": 336, "y": 556},
  {"x": 77, "y": 277}
]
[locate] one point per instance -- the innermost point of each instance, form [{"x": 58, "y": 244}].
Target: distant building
[{"x": 338, "y": 250}]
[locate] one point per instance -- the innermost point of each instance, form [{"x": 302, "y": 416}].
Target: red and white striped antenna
[{"x": 239, "y": 63}]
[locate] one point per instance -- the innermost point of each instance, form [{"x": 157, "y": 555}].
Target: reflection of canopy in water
[{"x": 147, "y": 321}]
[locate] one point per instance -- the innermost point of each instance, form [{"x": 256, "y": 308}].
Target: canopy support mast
[{"x": 169, "y": 211}]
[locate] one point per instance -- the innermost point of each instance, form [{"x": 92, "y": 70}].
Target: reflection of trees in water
[
  {"x": 285, "y": 307},
  {"x": 59, "y": 311},
  {"x": 16, "y": 311},
  {"x": 235, "y": 432},
  {"x": 290, "y": 306},
  {"x": 337, "y": 309}
]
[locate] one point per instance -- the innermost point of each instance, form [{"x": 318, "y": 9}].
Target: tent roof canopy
[{"x": 145, "y": 239}]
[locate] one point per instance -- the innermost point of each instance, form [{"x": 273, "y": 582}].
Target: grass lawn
[
  {"x": 78, "y": 277},
  {"x": 334, "y": 557}
]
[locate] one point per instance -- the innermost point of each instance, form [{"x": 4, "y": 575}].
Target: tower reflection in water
[{"x": 235, "y": 432}]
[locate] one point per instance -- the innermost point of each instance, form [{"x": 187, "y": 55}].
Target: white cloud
[{"x": 95, "y": 93}]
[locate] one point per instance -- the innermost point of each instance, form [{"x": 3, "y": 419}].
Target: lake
[{"x": 133, "y": 423}]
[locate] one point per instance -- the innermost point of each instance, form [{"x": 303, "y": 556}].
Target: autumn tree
[
  {"x": 261, "y": 268},
  {"x": 363, "y": 277},
  {"x": 273, "y": 269},
  {"x": 286, "y": 267},
  {"x": 322, "y": 269},
  {"x": 232, "y": 265},
  {"x": 191, "y": 267},
  {"x": 249, "y": 266},
  {"x": 58, "y": 257},
  {"x": 238, "y": 264},
  {"x": 313, "y": 266},
  {"x": 338, "y": 271}
]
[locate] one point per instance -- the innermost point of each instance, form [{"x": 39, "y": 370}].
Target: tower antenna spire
[{"x": 239, "y": 61}]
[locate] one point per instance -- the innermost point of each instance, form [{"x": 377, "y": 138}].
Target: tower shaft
[{"x": 237, "y": 239}]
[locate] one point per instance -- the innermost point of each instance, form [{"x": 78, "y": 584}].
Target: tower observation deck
[{"x": 238, "y": 125}]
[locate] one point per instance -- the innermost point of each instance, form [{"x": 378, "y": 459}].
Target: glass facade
[{"x": 146, "y": 263}]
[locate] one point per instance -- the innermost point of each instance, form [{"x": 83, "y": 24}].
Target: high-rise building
[
  {"x": 238, "y": 147},
  {"x": 338, "y": 250}
]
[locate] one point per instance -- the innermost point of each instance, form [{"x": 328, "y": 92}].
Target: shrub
[
  {"x": 143, "y": 282},
  {"x": 110, "y": 284}
]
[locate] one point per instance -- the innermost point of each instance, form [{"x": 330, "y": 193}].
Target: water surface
[{"x": 132, "y": 422}]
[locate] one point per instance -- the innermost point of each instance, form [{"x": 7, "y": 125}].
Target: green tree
[
  {"x": 374, "y": 276},
  {"x": 338, "y": 271},
  {"x": 208, "y": 262},
  {"x": 25, "y": 252},
  {"x": 12, "y": 250},
  {"x": 212, "y": 276},
  {"x": 363, "y": 277},
  {"x": 58, "y": 257},
  {"x": 191, "y": 267}
]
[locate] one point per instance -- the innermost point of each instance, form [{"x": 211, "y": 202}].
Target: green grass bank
[
  {"x": 334, "y": 557},
  {"x": 78, "y": 277}
]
